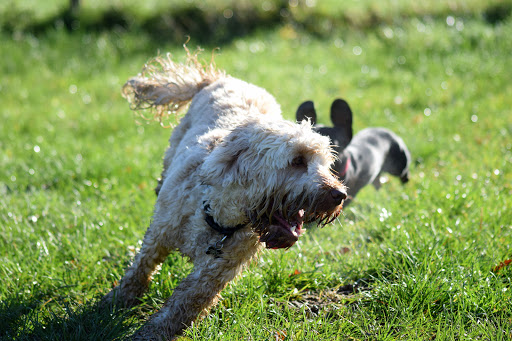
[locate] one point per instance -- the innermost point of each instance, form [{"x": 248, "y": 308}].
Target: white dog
[{"x": 236, "y": 175}]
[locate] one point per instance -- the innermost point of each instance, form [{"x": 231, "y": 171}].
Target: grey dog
[{"x": 364, "y": 157}]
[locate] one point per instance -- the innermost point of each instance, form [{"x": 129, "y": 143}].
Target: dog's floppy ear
[
  {"x": 341, "y": 117},
  {"x": 223, "y": 166},
  {"x": 305, "y": 110}
]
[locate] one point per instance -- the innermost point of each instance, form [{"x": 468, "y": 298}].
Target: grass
[{"x": 406, "y": 262}]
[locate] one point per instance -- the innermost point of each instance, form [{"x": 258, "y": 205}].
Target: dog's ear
[
  {"x": 341, "y": 117},
  {"x": 223, "y": 166},
  {"x": 305, "y": 110}
]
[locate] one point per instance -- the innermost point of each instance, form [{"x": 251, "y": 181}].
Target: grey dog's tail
[{"x": 164, "y": 87}]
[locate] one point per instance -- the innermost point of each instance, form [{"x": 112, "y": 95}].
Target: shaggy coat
[{"x": 236, "y": 177}]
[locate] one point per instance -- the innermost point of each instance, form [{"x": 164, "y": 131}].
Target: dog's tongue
[{"x": 283, "y": 234}]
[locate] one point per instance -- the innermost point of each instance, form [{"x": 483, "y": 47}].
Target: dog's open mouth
[{"x": 283, "y": 233}]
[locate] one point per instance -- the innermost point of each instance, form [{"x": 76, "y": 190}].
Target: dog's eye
[{"x": 299, "y": 161}]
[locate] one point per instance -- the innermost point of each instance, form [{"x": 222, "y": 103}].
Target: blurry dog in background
[{"x": 364, "y": 157}]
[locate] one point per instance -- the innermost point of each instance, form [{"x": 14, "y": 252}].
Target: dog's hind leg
[{"x": 174, "y": 141}]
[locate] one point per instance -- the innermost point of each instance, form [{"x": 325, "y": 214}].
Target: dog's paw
[
  {"x": 115, "y": 298},
  {"x": 149, "y": 332},
  {"x": 109, "y": 300},
  {"x": 405, "y": 178}
]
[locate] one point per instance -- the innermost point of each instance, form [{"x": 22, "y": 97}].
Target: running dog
[{"x": 237, "y": 177}]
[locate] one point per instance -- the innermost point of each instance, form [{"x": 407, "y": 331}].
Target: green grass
[{"x": 411, "y": 262}]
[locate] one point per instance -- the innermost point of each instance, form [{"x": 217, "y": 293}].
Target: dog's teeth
[{"x": 293, "y": 228}]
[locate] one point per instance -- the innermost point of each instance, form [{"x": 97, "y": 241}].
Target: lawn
[{"x": 422, "y": 261}]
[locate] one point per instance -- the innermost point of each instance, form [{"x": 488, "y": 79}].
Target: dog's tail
[{"x": 164, "y": 87}]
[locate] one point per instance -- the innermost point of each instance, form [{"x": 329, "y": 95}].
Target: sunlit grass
[{"x": 78, "y": 172}]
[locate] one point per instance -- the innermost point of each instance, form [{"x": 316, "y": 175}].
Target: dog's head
[
  {"x": 275, "y": 176},
  {"x": 341, "y": 116}
]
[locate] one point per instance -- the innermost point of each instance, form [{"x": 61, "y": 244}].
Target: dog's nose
[{"x": 338, "y": 195}]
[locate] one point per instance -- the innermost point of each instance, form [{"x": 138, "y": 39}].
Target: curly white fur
[{"x": 233, "y": 157}]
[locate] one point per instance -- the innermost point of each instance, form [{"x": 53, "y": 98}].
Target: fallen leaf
[
  {"x": 344, "y": 250},
  {"x": 280, "y": 335},
  {"x": 502, "y": 265},
  {"x": 295, "y": 273}
]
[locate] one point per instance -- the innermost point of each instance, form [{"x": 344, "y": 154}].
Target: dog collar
[
  {"x": 345, "y": 169},
  {"x": 227, "y": 231},
  {"x": 216, "y": 249}
]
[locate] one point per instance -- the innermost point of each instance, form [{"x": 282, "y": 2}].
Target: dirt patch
[{"x": 325, "y": 301}]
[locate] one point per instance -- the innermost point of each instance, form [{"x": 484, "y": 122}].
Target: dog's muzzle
[{"x": 283, "y": 232}]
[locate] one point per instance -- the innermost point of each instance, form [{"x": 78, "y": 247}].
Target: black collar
[{"x": 227, "y": 231}]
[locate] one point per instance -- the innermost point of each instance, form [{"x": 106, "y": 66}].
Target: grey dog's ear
[
  {"x": 305, "y": 110},
  {"x": 341, "y": 117}
]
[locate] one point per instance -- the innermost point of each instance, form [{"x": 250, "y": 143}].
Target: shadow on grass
[
  {"x": 30, "y": 320},
  {"x": 12, "y": 315}
]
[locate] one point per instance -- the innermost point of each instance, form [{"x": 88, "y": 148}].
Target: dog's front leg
[
  {"x": 376, "y": 182},
  {"x": 136, "y": 280},
  {"x": 190, "y": 299}
]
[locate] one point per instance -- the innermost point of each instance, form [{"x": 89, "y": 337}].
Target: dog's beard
[{"x": 280, "y": 222}]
